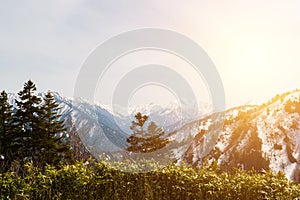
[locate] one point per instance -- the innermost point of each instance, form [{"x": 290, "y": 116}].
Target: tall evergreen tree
[
  {"x": 34, "y": 132},
  {"x": 54, "y": 146},
  {"x": 7, "y": 129},
  {"x": 28, "y": 122},
  {"x": 147, "y": 139}
]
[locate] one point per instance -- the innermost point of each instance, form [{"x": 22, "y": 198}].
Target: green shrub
[{"x": 100, "y": 180}]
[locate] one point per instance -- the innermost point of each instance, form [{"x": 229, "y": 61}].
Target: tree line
[{"x": 32, "y": 130}]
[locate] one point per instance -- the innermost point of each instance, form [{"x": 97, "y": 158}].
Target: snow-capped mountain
[
  {"x": 170, "y": 116},
  {"x": 94, "y": 125},
  {"x": 263, "y": 137},
  {"x": 102, "y": 130}
]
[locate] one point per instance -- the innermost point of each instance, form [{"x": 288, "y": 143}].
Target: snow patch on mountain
[{"x": 264, "y": 136}]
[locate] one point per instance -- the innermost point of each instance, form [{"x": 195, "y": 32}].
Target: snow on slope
[
  {"x": 266, "y": 136},
  {"x": 103, "y": 131}
]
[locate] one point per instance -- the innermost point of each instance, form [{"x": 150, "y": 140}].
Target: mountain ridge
[{"x": 262, "y": 136}]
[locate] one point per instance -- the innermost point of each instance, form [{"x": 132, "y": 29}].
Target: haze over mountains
[{"x": 260, "y": 136}]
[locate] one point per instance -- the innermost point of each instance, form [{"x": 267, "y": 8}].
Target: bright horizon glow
[{"x": 255, "y": 45}]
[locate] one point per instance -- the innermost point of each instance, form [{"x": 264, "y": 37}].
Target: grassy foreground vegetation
[{"x": 99, "y": 180}]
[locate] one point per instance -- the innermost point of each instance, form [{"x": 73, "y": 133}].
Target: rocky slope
[{"x": 262, "y": 137}]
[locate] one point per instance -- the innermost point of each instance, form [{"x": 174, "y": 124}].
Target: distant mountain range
[
  {"x": 103, "y": 130},
  {"x": 260, "y": 136}
]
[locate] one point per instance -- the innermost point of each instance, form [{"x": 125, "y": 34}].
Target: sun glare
[{"x": 250, "y": 64}]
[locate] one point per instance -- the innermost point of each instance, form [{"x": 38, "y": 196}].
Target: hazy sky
[{"x": 255, "y": 45}]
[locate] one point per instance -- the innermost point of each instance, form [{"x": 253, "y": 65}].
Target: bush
[{"x": 100, "y": 180}]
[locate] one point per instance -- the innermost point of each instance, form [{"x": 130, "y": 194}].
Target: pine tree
[
  {"x": 155, "y": 140},
  {"x": 54, "y": 147},
  {"x": 28, "y": 122},
  {"x": 7, "y": 129},
  {"x": 146, "y": 140}
]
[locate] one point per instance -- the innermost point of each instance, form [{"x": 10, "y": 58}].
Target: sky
[{"x": 254, "y": 45}]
